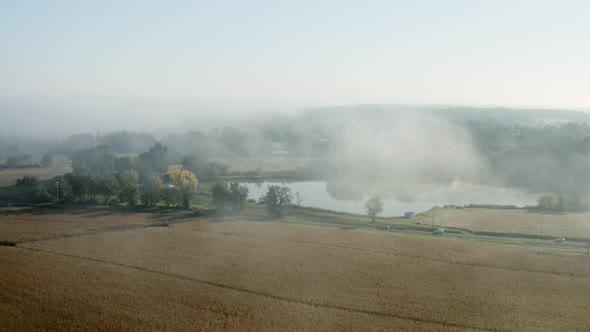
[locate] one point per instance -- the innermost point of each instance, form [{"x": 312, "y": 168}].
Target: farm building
[{"x": 409, "y": 215}]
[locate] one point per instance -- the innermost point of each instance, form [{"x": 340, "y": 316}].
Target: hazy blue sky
[{"x": 513, "y": 53}]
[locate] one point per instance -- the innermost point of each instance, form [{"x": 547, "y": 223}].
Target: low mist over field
[{"x": 385, "y": 150}]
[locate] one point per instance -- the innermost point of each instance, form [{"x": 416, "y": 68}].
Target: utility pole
[
  {"x": 57, "y": 190},
  {"x": 433, "y": 214}
]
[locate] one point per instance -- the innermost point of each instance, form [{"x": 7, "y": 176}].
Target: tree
[
  {"x": 97, "y": 160},
  {"x": 155, "y": 160},
  {"x": 32, "y": 190},
  {"x": 125, "y": 163},
  {"x": 93, "y": 184},
  {"x": 151, "y": 190},
  {"x": 550, "y": 202},
  {"x": 128, "y": 187},
  {"x": 79, "y": 184},
  {"x": 374, "y": 206},
  {"x": 185, "y": 183},
  {"x": 238, "y": 194},
  {"x": 27, "y": 182},
  {"x": 169, "y": 195},
  {"x": 234, "y": 196},
  {"x": 277, "y": 199},
  {"x": 18, "y": 160},
  {"x": 220, "y": 196},
  {"x": 107, "y": 187},
  {"x": 63, "y": 190},
  {"x": 47, "y": 160}
]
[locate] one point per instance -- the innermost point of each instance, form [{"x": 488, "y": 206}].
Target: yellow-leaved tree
[{"x": 185, "y": 184}]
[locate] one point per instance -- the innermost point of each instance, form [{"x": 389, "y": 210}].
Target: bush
[
  {"x": 220, "y": 196},
  {"x": 235, "y": 196},
  {"x": 550, "y": 202},
  {"x": 32, "y": 190}
]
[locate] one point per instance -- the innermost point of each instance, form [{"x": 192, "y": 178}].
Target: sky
[{"x": 508, "y": 53}]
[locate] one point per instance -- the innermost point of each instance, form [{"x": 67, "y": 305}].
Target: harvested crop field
[
  {"x": 207, "y": 274},
  {"x": 516, "y": 221},
  {"x": 9, "y": 176},
  {"x": 29, "y": 227}
]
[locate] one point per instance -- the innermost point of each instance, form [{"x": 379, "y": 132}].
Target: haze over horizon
[{"x": 59, "y": 117}]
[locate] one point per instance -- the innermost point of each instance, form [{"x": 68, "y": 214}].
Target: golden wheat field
[
  {"x": 31, "y": 227},
  {"x": 516, "y": 221},
  {"x": 237, "y": 274}
]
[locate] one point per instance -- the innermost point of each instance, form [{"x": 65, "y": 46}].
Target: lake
[{"x": 397, "y": 199}]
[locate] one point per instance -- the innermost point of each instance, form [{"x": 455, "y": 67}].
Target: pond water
[{"x": 397, "y": 199}]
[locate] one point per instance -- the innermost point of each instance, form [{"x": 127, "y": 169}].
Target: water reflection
[{"x": 397, "y": 198}]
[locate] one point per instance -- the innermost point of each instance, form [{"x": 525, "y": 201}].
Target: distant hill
[
  {"x": 63, "y": 116},
  {"x": 454, "y": 113}
]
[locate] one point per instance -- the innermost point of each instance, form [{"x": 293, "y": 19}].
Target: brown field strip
[
  {"x": 471, "y": 253},
  {"x": 48, "y": 292},
  {"x": 515, "y": 221},
  {"x": 324, "y": 275},
  {"x": 460, "y": 294},
  {"x": 267, "y": 295},
  {"x": 401, "y": 254},
  {"x": 38, "y": 227}
]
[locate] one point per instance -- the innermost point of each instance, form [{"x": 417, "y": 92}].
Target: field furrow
[{"x": 219, "y": 274}]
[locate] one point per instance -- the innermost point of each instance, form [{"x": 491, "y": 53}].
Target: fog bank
[{"x": 390, "y": 155}]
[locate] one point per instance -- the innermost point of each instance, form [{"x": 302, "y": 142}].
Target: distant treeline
[
  {"x": 24, "y": 161},
  {"x": 224, "y": 142},
  {"x": 552, "y": 159}
]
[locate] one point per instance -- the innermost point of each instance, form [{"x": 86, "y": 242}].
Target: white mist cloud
[{"x": 388, "y": 154}]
